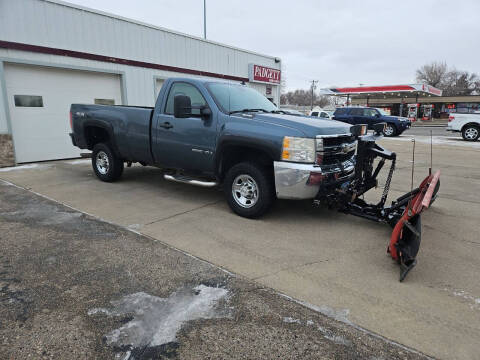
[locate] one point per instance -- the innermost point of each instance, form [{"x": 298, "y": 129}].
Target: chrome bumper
[{"x": 293, "y": 180}]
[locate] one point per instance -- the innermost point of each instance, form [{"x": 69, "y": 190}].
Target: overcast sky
[{"x": 337, "y": 42}]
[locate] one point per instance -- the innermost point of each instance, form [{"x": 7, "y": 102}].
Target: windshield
[{"x": 233, "y": 97}]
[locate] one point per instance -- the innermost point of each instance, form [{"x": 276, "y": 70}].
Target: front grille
[
  {"x": 338, "y": 140},
  {"x": 331, "y": 159},
  {"x": 337, "y": 149}
]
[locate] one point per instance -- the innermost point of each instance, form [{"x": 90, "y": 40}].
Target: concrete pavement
[{"x": 330, "y": 260}]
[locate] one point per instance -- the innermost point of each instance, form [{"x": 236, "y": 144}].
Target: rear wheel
[
  {"x": 249, "y": 189},
  {"x": 471, "y": 133},
  {"x": 106, "y": 165},
  {"x": 389, "y": 130}
]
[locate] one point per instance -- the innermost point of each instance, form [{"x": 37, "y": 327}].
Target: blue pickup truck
[
  {"x": 211, "y": 133},
  {"x": 395, "y": 125}
]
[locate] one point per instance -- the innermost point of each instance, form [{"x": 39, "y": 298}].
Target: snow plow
[{"x": 403, "y": 214}]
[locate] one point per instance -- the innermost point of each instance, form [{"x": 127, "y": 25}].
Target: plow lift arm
[{"x": 404, "y": 213}]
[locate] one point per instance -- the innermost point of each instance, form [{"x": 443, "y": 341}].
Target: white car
[
  {"x": 467, "y": 124},
  {"x": 326, "y": 114}
]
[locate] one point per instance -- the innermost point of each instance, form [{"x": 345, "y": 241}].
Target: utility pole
[
  {"x": 313, "y": 87},
  {"x": 205, "y": 19}
]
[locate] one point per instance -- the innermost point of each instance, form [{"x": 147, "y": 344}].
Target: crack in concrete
[{"x": 182, "y": 213}]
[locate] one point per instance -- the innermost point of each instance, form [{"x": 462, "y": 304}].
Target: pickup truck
[
  {"x": 467, "y": 124},
  {"x": 395, "y": 125},
  {"x": 211, "y": 133}
]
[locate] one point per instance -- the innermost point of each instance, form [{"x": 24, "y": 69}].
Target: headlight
[{"x": 298, "y": 149}]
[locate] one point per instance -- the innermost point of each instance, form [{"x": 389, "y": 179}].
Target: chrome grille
[{"x": 336, "y": 149}]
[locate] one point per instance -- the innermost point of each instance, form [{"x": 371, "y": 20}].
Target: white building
[{"x": 54, "y": 53}]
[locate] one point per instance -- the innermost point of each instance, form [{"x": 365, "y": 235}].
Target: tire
[
  {"x": 106, "y": 165},
  {"x": 471, "y": 133},
  {"x": 390, "y": 130},
  {"x": 249, "y": 189}
]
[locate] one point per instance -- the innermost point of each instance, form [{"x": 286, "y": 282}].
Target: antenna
[{"x": 413, "y": 164}]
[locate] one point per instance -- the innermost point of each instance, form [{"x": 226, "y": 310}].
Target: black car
[{"x": 370, "y": 116}]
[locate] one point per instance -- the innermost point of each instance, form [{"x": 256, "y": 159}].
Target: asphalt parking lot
[{"x": 335, "y": 262}]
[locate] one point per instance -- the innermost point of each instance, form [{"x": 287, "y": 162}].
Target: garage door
[{"x": 39, "y": 100}]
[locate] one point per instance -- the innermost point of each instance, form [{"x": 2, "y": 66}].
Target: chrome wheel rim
[
  {"x": 245, "y": 191},
  {"x": 102, "y": 162},
  {"x": 388, "y": 130},
  {"x": 471, "y": 133}
]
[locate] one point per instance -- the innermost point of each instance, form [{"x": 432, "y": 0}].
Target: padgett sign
[{"x": 263, "y": 74}]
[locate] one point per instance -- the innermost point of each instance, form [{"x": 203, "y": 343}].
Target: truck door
[{"x": 184, "y": 143}]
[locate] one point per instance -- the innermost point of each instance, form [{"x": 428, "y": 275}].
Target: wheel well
[
  {"x": 232, "y": 155},
  {"x": 471, "y": 124},
  {"x": 95, "y": 135}
]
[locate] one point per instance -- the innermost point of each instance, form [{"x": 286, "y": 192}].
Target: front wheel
[
  {"x": 249, "y": 189},
  {"x": 390, "y": 130},
  {"x": 106, "y": 165},
  {"x": 471, "y": 133}
]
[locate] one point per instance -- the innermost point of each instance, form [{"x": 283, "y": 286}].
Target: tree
[
  {"x": 453, "y": 82},
  {"x": 433, "y": 74},
  {"x": 302, "y": 97},
  {"x": 461, "y": 83}
]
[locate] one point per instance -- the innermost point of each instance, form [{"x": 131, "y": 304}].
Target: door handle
[{"x": 166, "y": 125}]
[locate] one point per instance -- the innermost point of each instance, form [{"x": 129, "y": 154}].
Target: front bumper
[{"x": 303, "y": 181}]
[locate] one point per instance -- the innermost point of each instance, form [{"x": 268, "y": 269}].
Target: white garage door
[{"x": 39, "y": 100}]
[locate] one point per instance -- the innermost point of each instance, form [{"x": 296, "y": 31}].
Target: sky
[{"x": 337, "y": 42}]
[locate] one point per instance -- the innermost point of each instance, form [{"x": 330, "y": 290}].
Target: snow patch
[
  {"x": 290, "y": 320},
  {"x": 24, "y": 167},
  {"x": 79, "y": 162},
  {"x": 156, "y": 320}
]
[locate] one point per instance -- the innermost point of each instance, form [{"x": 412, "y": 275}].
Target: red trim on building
[
  {"x": 114, "y": 60},
  {"x": 367, "y": 89}
]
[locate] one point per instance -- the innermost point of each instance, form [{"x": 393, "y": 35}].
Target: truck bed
[{"x": 128, "y": 126}]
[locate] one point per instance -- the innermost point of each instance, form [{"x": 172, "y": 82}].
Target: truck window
[
  {"x": 181, "y": 88},
  {"x": 341, "y": 111},
  {"x": 356, "y": 112},
  {"x": 315, "y": 113}
]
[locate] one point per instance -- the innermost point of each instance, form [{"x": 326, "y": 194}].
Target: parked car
[
  {"x": 467, "y": 124},
  {"x": 325, "y": 114},
  {"x": 210, "y": 133},
  {"x": 395, "y": 125}
]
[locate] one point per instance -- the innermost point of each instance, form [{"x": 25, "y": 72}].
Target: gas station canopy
[{"x": 385, "y": 91}]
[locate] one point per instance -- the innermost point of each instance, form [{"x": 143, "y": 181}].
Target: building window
[
  {"x": 28, "y": 101},
  {"x": 104, "y": 101}
]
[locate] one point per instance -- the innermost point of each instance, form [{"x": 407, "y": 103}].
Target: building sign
[{"x": 262, "y": 74}]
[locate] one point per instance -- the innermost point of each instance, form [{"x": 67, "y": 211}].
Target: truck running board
[{"x": 189, "y": 180}]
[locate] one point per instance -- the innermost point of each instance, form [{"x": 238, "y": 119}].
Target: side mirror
[
  {"x": 205, "y": 112},
  {"x": 377, "y": 115},
  {"x": 182, "y": 106}
]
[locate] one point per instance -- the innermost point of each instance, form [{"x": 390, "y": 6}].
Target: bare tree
[
  {"x": 433, "y": 74},
  {"x": 451, "y": 81},
  {"x": 461, "y": 83},
  {"x": 302, "y": 97}
]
